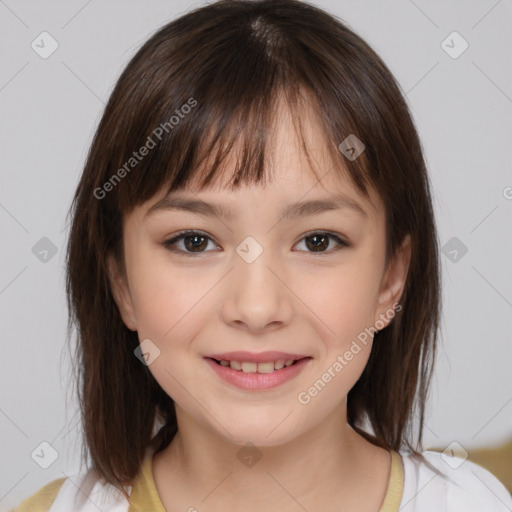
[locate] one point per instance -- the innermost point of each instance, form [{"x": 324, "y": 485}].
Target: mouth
[
  {"x": 257, "y": 367},
  {"x": 257, "y": 372}
]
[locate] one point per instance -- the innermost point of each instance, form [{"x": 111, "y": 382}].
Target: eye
[
  {"x": 196, "y": 242},
  {"x": 320, "y": 240}
]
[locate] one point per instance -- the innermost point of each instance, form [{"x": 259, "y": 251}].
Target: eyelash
[{"x": 169, "y": 244}]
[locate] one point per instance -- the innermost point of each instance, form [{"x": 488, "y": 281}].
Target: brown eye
[
  {"x": 318, "y": 242},
  {"x": 194, "y": 242}
]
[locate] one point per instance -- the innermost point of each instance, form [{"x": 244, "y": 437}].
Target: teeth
[
  {"x": 236, "y": 365},
  {"x": 251, "y": 367},
  {"x": 265, "y": 367}
]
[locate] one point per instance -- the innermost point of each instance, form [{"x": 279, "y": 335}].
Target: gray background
[{"x": 49, "y": 111}]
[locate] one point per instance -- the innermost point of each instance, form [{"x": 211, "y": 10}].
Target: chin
[{"x": 259, "y": 430}]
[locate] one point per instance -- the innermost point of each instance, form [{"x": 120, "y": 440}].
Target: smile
[
  {"x": 265, "y": 371},
  {"x": 252, "y": 367}
]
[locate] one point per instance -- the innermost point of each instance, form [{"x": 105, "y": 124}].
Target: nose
[{"x": 256, "y": 297}]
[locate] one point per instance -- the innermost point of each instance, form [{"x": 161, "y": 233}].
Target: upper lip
[{"x": 259, "y": 357}]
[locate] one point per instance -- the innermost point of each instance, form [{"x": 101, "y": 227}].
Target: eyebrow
[{"x": 301, "y": 209}]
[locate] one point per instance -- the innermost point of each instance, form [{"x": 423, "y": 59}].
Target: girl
[{"x": 253, "y": 270}]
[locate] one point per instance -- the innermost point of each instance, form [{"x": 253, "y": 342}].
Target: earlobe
[
  {"x": 395, "y": 277},
  {"x": 121, "y": 293}
]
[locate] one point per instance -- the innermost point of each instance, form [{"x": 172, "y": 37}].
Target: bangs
[{"x": 246, "y": 134}]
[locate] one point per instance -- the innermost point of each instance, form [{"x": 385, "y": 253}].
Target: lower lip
[{"x": 258, "y": 381}]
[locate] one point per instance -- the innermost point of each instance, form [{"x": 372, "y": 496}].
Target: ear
[
  {"x": 121, "y": 292},
  {"x": 393, "y": 281}
]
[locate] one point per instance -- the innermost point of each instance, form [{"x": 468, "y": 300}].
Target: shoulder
[
  {"x": 42, "y": 499},
  {"x": 462, "y": 485}
]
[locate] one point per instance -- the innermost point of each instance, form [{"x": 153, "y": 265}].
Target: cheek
[
  {"x": 343, "y": 299},
  {"x": 165, "y": 296},
  {"x": 167, "y": 300},
  {"x": 171, "y": 305}
]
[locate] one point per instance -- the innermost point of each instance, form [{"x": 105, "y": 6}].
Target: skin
[{"x": 290, "y": 299}]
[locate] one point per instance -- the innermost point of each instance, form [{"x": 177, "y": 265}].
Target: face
[{"x": 256, "y": 289}]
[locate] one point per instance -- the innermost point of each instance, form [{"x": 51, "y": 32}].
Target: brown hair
[{"x": 200, "y": 83}]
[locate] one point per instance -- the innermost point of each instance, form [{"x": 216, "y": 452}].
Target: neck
[{"x": 331, "y": 459}]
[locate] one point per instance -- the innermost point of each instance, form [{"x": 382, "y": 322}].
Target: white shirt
[{"x": 468, "y": 488}]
